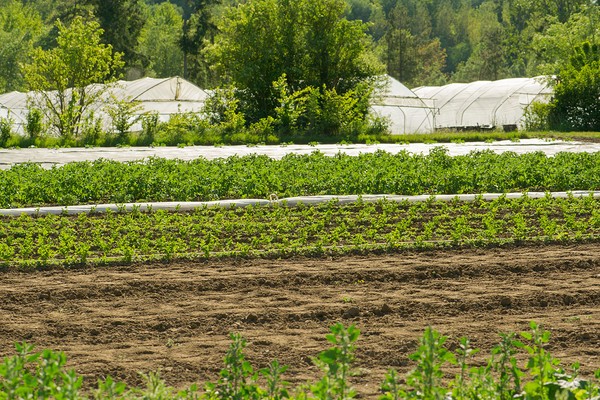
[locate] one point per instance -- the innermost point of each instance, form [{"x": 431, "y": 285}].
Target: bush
[
  {"x": 536, "y": 116},
  {"x": 576, "y": 104},
  {"x": 35, "y": 123},
  {"x": 6, "y": 126}
]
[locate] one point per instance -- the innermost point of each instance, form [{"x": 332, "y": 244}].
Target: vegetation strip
[
  {"x": 288, "y": 202},
  {"x": 279, "y": 231},
  {"x": 44, "y": 375},
  {"x": 158, "y": 180}
]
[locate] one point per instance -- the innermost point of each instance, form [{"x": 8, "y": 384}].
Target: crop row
[
  {"x": 284, "y": 231},
  {"x": 44, "y": 375},
  {"x": 255, "y": 176}
]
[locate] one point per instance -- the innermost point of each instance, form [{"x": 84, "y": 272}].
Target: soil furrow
[{"x": 177, "y": 317}]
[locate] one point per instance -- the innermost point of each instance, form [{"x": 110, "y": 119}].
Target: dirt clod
[{"x": 352, "y": 312}]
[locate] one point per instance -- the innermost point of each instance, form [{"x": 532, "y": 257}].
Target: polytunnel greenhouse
[
  {"x": 164, "y": 97},
  {"x": 406, "y": 112},
  {"x": 484, "y": 104}
]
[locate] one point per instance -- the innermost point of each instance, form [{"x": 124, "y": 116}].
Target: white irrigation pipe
[{"x": 290, "y": 202}]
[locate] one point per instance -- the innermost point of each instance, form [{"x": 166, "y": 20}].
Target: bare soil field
[{"x": 176, "y": 317}]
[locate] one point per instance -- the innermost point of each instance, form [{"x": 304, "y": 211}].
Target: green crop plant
[
  {"x": 425, "y": 381},
  {"x": 278, "y": 230},
  {"x": 255, "y": 176}
]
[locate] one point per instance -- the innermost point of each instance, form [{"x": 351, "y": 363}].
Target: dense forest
[{"x": 420, "y": 42}]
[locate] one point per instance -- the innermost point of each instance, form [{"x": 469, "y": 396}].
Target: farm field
[
  {"x": 124, "y": 292},
  {"x": 176, "y": 317},
  {"x": 329, "y": 229}
]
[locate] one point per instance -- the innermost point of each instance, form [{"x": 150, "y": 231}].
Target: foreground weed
[
  {"x": 336, "y": 364},
  {"x": 541, "y": 366},
  {"x": 276, "y": 386},
  {"x": 29, "y": 375},
  {"x": 460, "y": 383},
  {"x": 425, "y": 381},
  {"x": 109, "y": 389},
  {"x": 42, "y": 375},
  {"x": 237, "y": 380}
]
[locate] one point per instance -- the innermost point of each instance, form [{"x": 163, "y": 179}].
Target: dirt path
[{"x": 177, "y": 317}]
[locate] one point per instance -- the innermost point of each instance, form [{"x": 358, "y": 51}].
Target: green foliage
[
  {"x": 35, "y": 123},
  {"x": 123, "y": 114},
  {"x": 237, "y": 379},
  {"x": 6, "y": 129},
  {"x": 336, "y": 363},
  {"x": 412, "y": 55},
  {"x": 159, "y": 41},
  {"x": 281, "y": 231},
  {"x": 20, "y": 27},
  {"x": 43, "y": 375},
  {"x": 425, "y": 380},
  {"x": 37, "y": 375},
  {"x": 61, "y": 77},
  {"x": 576, "y": 103},
  {"x": 122, "y": 22},
  {"x": 293, "y": 175},
  {"x": 536, "y": 116},
  {"x": 199, "y": 30},
  {"x": 311, "y": 43}
]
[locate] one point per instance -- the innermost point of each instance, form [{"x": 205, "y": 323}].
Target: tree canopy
[
  {"x": 309, "y": 42},
  {"x": 61, "y": 77},
  {"x": 335, "y": 46},
  {"x": 420, "y": 42}
]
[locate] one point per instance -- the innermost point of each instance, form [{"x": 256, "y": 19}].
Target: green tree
[
  {"x": 309, "y": 41},
  {"x": 122, "y": 22},
  {"x": 198, "y": 30},
  {"x": 554, "y": 46},
  {"x": 411, "y": 55},
  {"x": 20, "y": 27},
  {"x": 487, "y": 37},
  {"x": 62, "y": 77},
  {"x": 576, "y": 103},
  {"x": 159, "y": 40}
]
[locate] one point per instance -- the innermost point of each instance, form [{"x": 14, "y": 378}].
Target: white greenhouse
[
  {"x": 407, "y": 113},
  {"x": 165, "y": 97},
  {"x": 462, "y": 106},
  {"x": 484, "y": 104}
]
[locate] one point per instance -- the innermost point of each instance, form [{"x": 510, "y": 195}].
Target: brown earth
[{"x": 176, "y": 317}]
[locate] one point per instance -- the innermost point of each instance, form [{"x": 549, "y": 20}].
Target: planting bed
[{"x": 176, "y": 316}]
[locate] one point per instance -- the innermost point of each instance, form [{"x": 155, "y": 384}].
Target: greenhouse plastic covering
[
  {"x": 407, "y": 113},
  {"x": 163, "y": 96},
  {"x": 289, "y": 202},
  {"x": 485, "y": 104}
]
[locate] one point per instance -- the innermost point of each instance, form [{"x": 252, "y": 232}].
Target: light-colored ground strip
[
  {"x": 61, "y": 156},
  {"x": 290, "y": 202}
]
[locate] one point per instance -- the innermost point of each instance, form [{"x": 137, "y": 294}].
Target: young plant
[
  {"x": 425, "y": 381},
  {"x": 237, "y": 379},
  {"x": 336, "y": 364}
]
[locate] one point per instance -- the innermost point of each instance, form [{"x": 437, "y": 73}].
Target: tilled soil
[{"x": 176, "y": 317}]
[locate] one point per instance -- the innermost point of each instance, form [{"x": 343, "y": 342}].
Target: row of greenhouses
[{"x": 462, "y": 106}]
